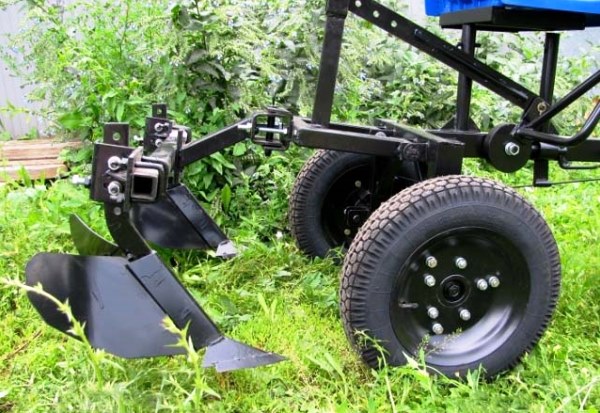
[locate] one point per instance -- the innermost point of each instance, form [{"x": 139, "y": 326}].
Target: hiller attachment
[{"x": 122, "y": 291}]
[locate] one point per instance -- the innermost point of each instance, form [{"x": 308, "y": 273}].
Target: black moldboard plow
[
  {"x": 122, "y": 292},
  {"x": 461, "y": 267}
]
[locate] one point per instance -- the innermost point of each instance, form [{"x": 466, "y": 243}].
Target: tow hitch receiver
[{"x": 122, "y": 292}]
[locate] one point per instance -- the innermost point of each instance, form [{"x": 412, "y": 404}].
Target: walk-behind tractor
[{"x": 461, "y": 269}]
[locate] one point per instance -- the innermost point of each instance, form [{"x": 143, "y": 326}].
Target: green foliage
[
  {"x": 214, "y": 62},
  {"x": 273, "y": 297},
  {"x": 90, "y": 60}
]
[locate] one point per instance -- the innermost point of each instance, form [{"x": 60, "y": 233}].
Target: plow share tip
[{"x": 228, "y": 355}]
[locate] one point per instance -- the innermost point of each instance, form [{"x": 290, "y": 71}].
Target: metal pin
[{"x": 81, "y": 180}]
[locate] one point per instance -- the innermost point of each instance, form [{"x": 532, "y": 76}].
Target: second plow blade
[{"x": 178, "y": 221}]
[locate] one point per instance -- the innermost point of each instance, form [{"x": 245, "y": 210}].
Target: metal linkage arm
[
  {"x": 213, "y": 143},
  {"x": 585, "y": 132}
]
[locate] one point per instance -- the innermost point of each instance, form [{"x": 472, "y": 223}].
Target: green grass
[{"x": 274, "y": 298}]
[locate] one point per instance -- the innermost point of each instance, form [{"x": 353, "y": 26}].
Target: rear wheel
[
  {"x": 334, "y": 194},
  {"x": 461, "y": 268}
]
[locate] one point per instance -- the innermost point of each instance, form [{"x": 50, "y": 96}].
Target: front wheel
[{"x": 463, "y": 269}]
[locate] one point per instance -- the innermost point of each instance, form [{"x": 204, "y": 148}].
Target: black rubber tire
[
  {"x": 384, "y": 268},
  {"x": 309, "y": 209}
]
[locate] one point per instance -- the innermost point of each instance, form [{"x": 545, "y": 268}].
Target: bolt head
[
  {"x": 437, "y": 328},
  {"x": 461, "y": 263},
  {"x": 494, "y": 281},
  {"x": 431, "y": 262},
  {"x": 347, "y": 232},
  {"x": 433, "y": 313},
  {"x": 358, "y": 184},
  {"x": 465, "y": 315},
  {"x": 114, "y": 163},
  {"x": 512, "y": 149},
  {"x": 482, "y": 285},
  {"x": 114, "y": 188},
  {"x": 430, "y": 280}
]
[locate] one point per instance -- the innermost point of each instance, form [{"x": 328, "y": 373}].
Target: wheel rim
[
  {"x": 475, "y": 321},
  {"x": 348, "y": 196}
]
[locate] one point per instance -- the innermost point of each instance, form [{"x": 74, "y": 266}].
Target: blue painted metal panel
[{"x": 438, "y": 7}]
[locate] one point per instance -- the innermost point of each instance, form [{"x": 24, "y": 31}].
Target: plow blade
[
  {"x": 122, "y": 305},
  {"x": 117, "y": 313},
  {"x": 178, "y": 221}
]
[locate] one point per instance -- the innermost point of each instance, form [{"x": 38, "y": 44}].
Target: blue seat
[{"x": 439, "y": 7}]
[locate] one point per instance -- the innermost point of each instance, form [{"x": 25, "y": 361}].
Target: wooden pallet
[{"x": 39, "y": 157}]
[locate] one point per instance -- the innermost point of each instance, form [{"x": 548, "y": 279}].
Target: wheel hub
[
  {"x": 466, "y": 316},
  {"x": 453, "y": 290}
]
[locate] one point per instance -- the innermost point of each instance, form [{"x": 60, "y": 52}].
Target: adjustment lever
[{"x": 567, "y": 165}]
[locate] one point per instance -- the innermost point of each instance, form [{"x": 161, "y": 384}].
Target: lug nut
[
  {"x": 347, "y": 232},
  {"x": 494, "y": 281},
  {"x": 465, "y": 315},
  {"x": 431, "y": 262},
  {"x": 482, "y": 285},
  {"x": 114, "y": 188},
  {"x": 461, "y": 263},
  {"x": 437, "y": 328},
  {"x": 430, "y": 280},
  {"x": 433, "y": 313},
  {"x": 358, "y": 184},
  {"x": 512, "y": 149}
]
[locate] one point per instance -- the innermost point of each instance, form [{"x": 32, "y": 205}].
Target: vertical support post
[
  {"x": 337, "y": 11},
  {"x": 465, "y": 84},
  {"x": 549, "y": 68},
  {"x": 551, "y": 46}
]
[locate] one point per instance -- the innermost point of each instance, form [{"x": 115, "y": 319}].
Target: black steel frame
[
  {"x": 535, "y": 132},
  {"x": 438, "y": 152}
]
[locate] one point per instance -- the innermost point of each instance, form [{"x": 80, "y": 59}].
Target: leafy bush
[{"x": 214, "y": 62}]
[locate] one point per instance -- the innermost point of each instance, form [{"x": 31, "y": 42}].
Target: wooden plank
[
  {"x": 47, "y": 171},
  {"x": 17, "y": 150},
  {"x": 39, "y": 157}
]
